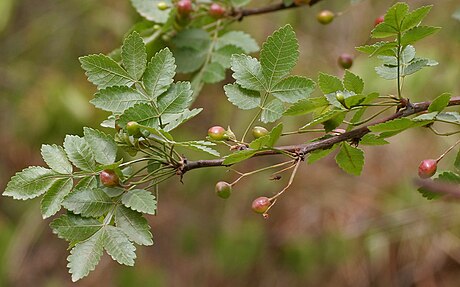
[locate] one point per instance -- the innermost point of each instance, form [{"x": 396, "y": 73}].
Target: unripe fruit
[
  {"x": 341, "y": 99},
  {"x": 217, "y": 133},
  {"x": 325, "y": 17},
  {"x": 378, "y": 20},
  {"x": 184, "y": 7},
  {"x": 258, "y": 132},
  {"x": 133, "y": 129},
  {"x": 109, "y": 178},
  {"x": 162, "y": 5},
  {"x": 216, "y": 11},
  {"x": 261, "y": 204},
  {"x": 345, "y": 61},
  {"x": 223, "y": 189},
  {"x": 427, "y": 168}
]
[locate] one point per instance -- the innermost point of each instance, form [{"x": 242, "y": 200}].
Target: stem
[
  {"x": 399, "y": 66},
  {"x": 369, "y": 118},
  {"x": 255, "y": 118},
  {"x": 447, "y": 151},
  {"x": 259, "y": 170},
  {"x": 291, "y": 179},
  {"x": 304, "y": 131}
]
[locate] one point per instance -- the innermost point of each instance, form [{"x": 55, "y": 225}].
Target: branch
[
  {"x": 241, "y": 13},
  {"x": 439, "y": 187},
  {"x": 325, "y": 143}
]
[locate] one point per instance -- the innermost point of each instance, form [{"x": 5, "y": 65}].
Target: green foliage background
[{"x": 331, "y": 229}]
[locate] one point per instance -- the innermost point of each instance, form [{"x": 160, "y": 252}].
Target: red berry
[
  {"x": 109, "y": 178},
  {"x": 184, "y": 7},
  {"x": 261, "y": 204},
  {"x": 345, "y": 61},
  {"x": 223, "y": 189},
  {"x": 378, "y": 20},
  {"x": 325, "y": 17},
  {"x": 427, "y": 168},
  {"x": 217, "y": 133},
  {"x": 216, "y": 11}
]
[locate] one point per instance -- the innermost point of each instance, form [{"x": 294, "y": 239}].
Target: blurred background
[{"x": 329, "y": 229}]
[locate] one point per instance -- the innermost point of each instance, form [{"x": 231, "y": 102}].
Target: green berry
[
  {"x": 133, "y": 129},
  {"x": 258, "y": 132},
  {"x": 109, "y": 178},
  {"x": 223, "y": 189},
  {"x": 162, "y": 5},
  {"x": 325, "y": 17},
  {"x": 261, "y": 204}
]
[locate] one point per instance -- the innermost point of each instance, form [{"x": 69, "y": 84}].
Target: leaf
[
  {"x": 334, "y": 122},
  {"x": 189, "y": 60},
  {"x": 52, "y": 200},
  {"x": 103, "y": 146},
  {"x": 323, "y": 117},
  {"x": 247, "y": 72},
  {"x": 379, "y": 48},
  {"x": 74, "y": 228},
  {"x": 88, "y": 182},
  {"x": 371, "y": 139},
  {"x": 213, "y": 73},
  {"x": 275, "y": 134},
  {"x": 395, "y": 15},
  {"x": 79, "y": 152},
  {"x": 178, "y": 119},
  {"x": 117, "y": 99},
  {"x": 194, "y": 38},
  {"x": 353, "y": 83},
  {"x": 159, "y": 74},
  {"x": 350, "y": 159},
  {"x": 30, "y": 183},
  {"x": 306, "y": 106},
  {"x": 449, "y": 117},
  {"x": 202, "y": 146},
  {"x": 293, "y": 88},
  {"x": 104, "y": 72},
  {"x": 149, "y": 10},
  {"x": 238, "y": 156},
  {"x": 238, "y": 39},
  {"x": 387, "y": 73},
  {"x": 414, "y": 18},
  {"x": 56, "y": 159},
  {"x": 176, "y": 98},
  {"x": 86, "y": 255},
  {"x": 242, "y": 98},
  {"x": 279, "y": 55},
  {"x": 191, "y": 49},
  {"x": 140, "y": 200},
  {"x": 88, "y": 202},
  {"x": 457, "y": 160},
  {"x": 440, "y": 103},
  {"x": 272, "y": 111},
  {"x": 318, "y": 154},
  {"x": 134, "y": 55},
  {"x": 118, "y": 246},
  {"x": 426, "y": 117},
  {"x": 223, "y": 56},
  {"x": 260, "y": 143},
  {"x": 415, "y": 66},
  {"x": 383, "y": 30},
  {"x": 329, "y": 84},
  {"x": 134, "y": 225},
  {"x": 417, "y": 33},
  {"x": 392, "y": 126},
  {"x": 144, "y": 114}
]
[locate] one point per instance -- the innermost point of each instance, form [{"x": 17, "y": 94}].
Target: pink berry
[
  {"x": 216, "y": 11},
  {"x": 345, "y": 61},
  {"x": 109, "y": 178},
  {"x": 427, "y": 168},
  {"x": 378, "y": 20},
  {"x": 261, "y": 204},
  {"x": 184, "y": 7},
  {"x": 217, "y": 133}
]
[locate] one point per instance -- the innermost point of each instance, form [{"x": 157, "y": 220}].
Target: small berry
[
  {"x": 223, "y": 189},
  {"x": 378, "y": 20},
  {"x": 216, "y": 11},
  {"x": 133, "y": 129},
  {"x": 345, "y": 61},
  {"x": 341, "y": 99},
  {"x": 325, "y": 17},
  {"x": 109, "y": 178},
  {"x": 184, "y": 7},
  {"x": 261, "y": 204},
  {"x": 258, "y": 132},
  {"x": 162, "y": 5},
  {"x": 217, "y": 133},
  {"x": 427, "y": 168}
]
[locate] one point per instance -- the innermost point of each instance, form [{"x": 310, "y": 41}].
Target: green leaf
[
  {"x": 395, "y": 15},
  {"x": 379, "y": 48},
  {"x": 329, "y": 84},
  {"x": 134, "y": 225},
  {"x": 52, "y": 200},
  {"x": 117, "y": 99},
  {"x": 203, "y": 146},
  {"x": 457, "y": 160},
  {"x": 306, "y": 106},
  {"x": 272, "y": 111},
  {"x": 415, "y": 17},
  {"x": 134, "y": 55},
  {"x": 79, "y": 152},
  {"x": 176, "y": 98},
  {"x": 140, "y": 200},
  {"x": 191, "y": 49},
  {"x": 144, "y": 114},
  {"x": 242, "y": 98},
  {"x": 247, "y": 72},
  {"x": 414, "y": 66},
  {"x": 238, "y": 156},
  {"x": 293, "y": 88},
  {"x": 104, "y": 72},
  {"x": 118, "y": 246},
  {"x": 440, "y": 103},
  {"x": 323, "y": 117},
  {"x": 189, "y": 60},
  {"x": 85, "y": 255},
  {"x": 88, "y": 182},
  {"x": 334, "y": 122},
  {"x": 320, "y": 153},
  {"x": 395, "y": 125},
  {"x": 387, "y": 73},
  {"x": 194, "y": 38},
  {"x": 449, "y": 117},
  {"x": 371, "y": 139},
  {"x": 279, "y": 55},
  {"x": 56, "y": 159},
  {"x": 354, "y": 100},
  {"x": 238, "y": 39},
  {"x": 350, "y": 159},
  {"x": 417, "y": 33},
  {"x": 175, "y": 120},
  {"x": 30, "y": 183},
  {"x": 383, "y": 30},
  {"x": 353, "y": 83},
  {"x": 159, "y": 74},
  {"x": 426, "y": 117},
  {"x": 275, "y": 134},
  {"x": 223, "y": 56},
  {"x": 103, "y": 146},
  {"x": 213, "y": 73},
  {"x": 149, "y": 10},
  {"x": 88, "y": 202},
  {"x": 75, "y": 228},
  {"x": 260, "y": 143}
]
